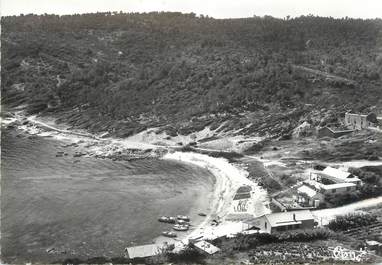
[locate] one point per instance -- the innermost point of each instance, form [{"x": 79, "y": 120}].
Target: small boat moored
[
  {"x": 167, "y": 219},
  {"x": 183, "y": 217},
  {"x": 168, "y": 234},
  {"x": 178, "y": 227},
  {"x": 182, "y": 222}
]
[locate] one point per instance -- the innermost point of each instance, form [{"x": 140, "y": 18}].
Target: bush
[
  {"x": 189, "y": 254},
  {"x": 304, "y": 235},
  {"x": 251, "y": 241},
  {"x": 369, "y": 175},
  {"x": 342, "y": 199},
  {"x": 343, "y": 223}
]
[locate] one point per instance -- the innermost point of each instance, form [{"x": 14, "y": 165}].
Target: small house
[
  {"x": 362, "y": 121},
  {"x": 309, "y": 197},
  {"x": 285, "y": 221},
  {"x": 338, "y": 188},
  {"x": 334, "y": 175}
]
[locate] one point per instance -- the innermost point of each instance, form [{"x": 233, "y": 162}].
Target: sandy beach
[{"x": 228, "y": 179}]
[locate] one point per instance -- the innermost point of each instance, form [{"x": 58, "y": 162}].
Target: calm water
[{"x": 91, "y": 207}]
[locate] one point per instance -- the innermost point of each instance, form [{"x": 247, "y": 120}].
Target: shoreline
[
  {"x": 90, "y": 145},
  {"x": 227, "y": 177}
]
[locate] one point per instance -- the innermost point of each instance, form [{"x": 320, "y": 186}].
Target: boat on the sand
[
  {"x": 168, "y": 234},
  {"x": 167, "y": 219}
]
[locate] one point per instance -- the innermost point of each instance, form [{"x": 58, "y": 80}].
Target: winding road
[{"x": 325, "y": 215}]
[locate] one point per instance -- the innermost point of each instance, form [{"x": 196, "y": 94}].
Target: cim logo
[{"x": 340, "y": 253}]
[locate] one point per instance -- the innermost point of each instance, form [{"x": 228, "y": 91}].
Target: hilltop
[{"x": 123, "y": 73}]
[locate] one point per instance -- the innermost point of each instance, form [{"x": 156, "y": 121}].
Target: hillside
[{"x": 123, "y": 73}]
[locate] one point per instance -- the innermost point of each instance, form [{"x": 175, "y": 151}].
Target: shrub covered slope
[{"x": 123, "y": 73}]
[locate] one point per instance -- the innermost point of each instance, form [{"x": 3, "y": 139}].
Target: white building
[
  {"x": 308, "y": 196},
  {"x": 284, "y": 221},
  {"x": 338, "y": 188},
  {"x": 338, "y": 176},
  {"x": 361, "y": 121}
]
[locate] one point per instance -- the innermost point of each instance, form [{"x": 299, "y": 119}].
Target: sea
[{"x": 55, "y": 208}]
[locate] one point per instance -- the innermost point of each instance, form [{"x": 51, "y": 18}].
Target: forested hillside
[{"x": 124, "y": 73}]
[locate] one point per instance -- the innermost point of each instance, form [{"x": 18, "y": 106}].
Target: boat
[
  {"x": 167, "y": 219},
  {"x": 178, "y": 227},
  {"x": 182, "y": 222},
  {"x": 168, "y": 234},
  {"x": 202, "y": 214},
  {"x": 183, "y": 217}
]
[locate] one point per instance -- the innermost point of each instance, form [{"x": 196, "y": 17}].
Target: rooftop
[
  {"x": 287, "y": 223},
  {"x": 287, "y": 218},
  {"x": 355, "y": 114},
  {"x": 334, "y": 172},
  {"x": 339, "y": 174},
  {"x": 337, "y": 186},
  {"x": 336, "y": 130},
  {"x": 307, "y": 190}
]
